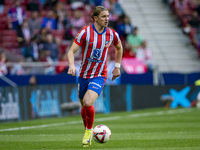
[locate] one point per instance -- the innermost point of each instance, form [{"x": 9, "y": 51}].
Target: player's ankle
[{"x": 89, "y": 128}]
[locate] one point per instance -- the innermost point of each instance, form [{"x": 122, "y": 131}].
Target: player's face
[{"x": 103, "y": 18}]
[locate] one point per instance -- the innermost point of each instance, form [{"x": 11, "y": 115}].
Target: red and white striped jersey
[{"x": 95, "y": 47}]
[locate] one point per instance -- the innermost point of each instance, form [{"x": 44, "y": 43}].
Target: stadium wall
[{"x": 44, "y": 101}]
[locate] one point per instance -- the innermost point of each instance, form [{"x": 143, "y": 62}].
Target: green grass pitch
[{"x": 147, "y": 129}]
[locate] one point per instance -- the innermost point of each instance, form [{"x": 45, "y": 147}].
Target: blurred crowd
[
  {"x": 187, "y": 13},
  {"x": 42, "y": 31}
]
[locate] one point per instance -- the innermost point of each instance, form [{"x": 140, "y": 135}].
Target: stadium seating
[{"x": 184, "y": 16}]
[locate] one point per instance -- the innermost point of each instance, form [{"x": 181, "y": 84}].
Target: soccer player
[{"x": 95, "y": 41}]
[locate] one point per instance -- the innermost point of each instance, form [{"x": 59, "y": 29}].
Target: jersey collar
[{"x": 97, "y": 31}]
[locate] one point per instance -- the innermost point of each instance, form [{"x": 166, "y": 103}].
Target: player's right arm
[{"x": 70, "y": 56}]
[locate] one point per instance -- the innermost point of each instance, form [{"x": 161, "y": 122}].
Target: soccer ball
[{"x": 101, "y": 133}]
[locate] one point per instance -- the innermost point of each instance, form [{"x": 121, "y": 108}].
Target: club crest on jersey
[
  {"x": 95, "y": 56},
  {"x": 107, "y": 44},
  {"x": 96, "y": 53}
]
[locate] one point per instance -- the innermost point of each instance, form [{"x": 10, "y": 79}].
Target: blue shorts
[{"x": 95, "y": 84}]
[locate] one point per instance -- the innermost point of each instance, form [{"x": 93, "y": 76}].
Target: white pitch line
[
  {"x": 159, "y": 113},
  {"x": 99, "y": 119}
]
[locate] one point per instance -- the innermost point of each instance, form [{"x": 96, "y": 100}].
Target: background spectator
[
  {"x": 51, "y": 46},
  {"x": 115, "y": 10},
  {"x": 16, "y": 15},
  {"x": 34, "y": 48},
  {"x": 49, "y": 21},
  {"x": 124, "y": 26},
  {"x": 134, "y": 40},
  {"x": 145, "y": 54},
  {"x": 62, "y": 64},
  {"x": 182, "y": 9},
  {"x": 41, "y": 36},
  {"x": 3, "y": 67},
  {"x": 50, "y": 4},
  {"x": 61, "y": 16},
  {"x": 77, "y": 21},
  {"x": 75, "y": 4},
  {"x": 2, "y": 2},
  {"x": 33, "y": 80},
  {"x": 44, "y": 56},
  {"x": 18, "y": 69},
  {"x": 95, "y": 3},
  {"x": 24, "y": 38},
  {"x": 34, "y": 23},
  {"x": 197, "y": 7},
  {"x": 33, "y": 5},
  {"x": 128, "y": 53}
]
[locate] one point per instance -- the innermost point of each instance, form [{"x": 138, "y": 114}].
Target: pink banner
[{"x": 134, "y": 66}]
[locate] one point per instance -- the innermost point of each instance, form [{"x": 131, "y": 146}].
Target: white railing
[
  {"x": 36, "y": 64},
  {"x": 49, "y": 68}
]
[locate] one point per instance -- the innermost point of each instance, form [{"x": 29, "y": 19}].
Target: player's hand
[
  {"x": 71, "y": 70},
  {"x": 116, "y": 73}
]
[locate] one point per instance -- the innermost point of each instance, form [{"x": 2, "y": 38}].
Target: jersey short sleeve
[
  {"x": 80, "y": 37},
  {"x": 116, "y": 39}
]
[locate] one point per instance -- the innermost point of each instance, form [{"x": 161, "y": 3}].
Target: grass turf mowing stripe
[
  {"x": 117, "y": 136},
  {"x": 148, "y": 129},
  {"x": 100, "y": 119}
]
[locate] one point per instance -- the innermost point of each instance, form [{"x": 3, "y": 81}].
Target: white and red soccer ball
[{"x": 101, "y": 133}]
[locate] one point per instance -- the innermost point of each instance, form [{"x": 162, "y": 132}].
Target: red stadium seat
[
  {"x": 10, "y": 45},
  {"x": 58, "y": 33},
  {"x": 9, "y": 38},
  {"x": 7, "y": 8},
  {"x": 9, "y": 2},
  {"x": 9, "y": 32},
  {"x": 63, "y": 47},
  {"x": 3, "y": 20},
  {"x": 3, "y": 26}
]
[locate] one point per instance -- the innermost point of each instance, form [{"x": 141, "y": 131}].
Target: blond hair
[{"x": 97, "y": 11}]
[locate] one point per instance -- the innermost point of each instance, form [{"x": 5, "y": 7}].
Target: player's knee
[{"x": 86, "y": 103}]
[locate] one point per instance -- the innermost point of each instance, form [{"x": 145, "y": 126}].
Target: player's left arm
[{"x": 118, "y": 58}]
